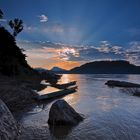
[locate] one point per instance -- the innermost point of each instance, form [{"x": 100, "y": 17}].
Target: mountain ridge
[
  {"x": 57, "y": 69},
  {"x": 107, "y": 67}
]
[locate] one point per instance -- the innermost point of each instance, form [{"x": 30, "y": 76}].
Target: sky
[{"x": 68, "y": 33}]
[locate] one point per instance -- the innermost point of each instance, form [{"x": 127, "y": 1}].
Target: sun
[
  {"x": 69, "y": 50},
  {"x": 65, "y": 53}
]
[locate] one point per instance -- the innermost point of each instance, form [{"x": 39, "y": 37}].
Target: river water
[{"x": 110, "y": 113}]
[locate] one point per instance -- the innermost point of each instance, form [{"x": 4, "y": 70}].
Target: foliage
[
  {"x": 11, "y": 56},
  {"x": 16, "y": 25},
  {"x": 1, "y": 14}
]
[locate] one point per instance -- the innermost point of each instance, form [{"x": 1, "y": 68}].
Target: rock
[
  {"x": 9, "y": 129},
  {"x": 61, "y": 113},
  {"x": 136, "y": 94},
  {"x": 121, "y": 84}
]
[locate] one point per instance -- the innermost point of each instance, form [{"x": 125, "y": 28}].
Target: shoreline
[{"x": 17, "y": 94}]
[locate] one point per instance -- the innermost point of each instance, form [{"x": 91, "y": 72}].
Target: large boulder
[
  {"x": 9, "y": 129},
  {"x": 61, "y": 113}
]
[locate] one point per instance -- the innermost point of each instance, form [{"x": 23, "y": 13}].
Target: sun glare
[{"x": 66, "y": 52}]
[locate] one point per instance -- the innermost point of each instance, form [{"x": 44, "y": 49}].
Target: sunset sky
[{"x": 68, "y": 33}]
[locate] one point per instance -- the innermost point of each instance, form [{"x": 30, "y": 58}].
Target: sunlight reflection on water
[{"x": 47, "y": 90}]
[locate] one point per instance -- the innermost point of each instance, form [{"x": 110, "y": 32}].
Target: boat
[
  {"x": 65, "y": 85},
  {"x": 57, "y": 93}
]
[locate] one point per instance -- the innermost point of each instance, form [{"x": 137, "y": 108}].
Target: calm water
[{"x": 109, "y": 113}]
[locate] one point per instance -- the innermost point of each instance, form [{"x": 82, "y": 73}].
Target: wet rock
[
  {"x": 136, "y": 93},
  {"x": 9, "y": 128},
  {"x": 61, "y": 113},
  {"x": 114, "y": 83}
]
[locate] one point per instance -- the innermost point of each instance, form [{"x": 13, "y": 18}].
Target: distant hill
[
  {"x": 50, "y": 75},
  {"x": 40, "y": 70},
  {"x": 58, "y": 70},
  {"x": 107, "y": 67}
]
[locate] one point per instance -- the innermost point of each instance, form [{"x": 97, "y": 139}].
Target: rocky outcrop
[
  {"x": 114, "y": 83},
  {"x": 9, "y": 128},
  {"x": 61, "y": 113},
  {"x": 136, "y": 94},
  {"x": 12, "y": 59}
]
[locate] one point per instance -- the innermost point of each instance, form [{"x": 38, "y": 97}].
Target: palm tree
[
  {"x": 16, "y": 25},
  {"x": 1, "y": 14}
]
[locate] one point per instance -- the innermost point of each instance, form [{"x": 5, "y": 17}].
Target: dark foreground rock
[
  {"x": 9, "y": 129},
  {"x": 114, "y": 83},
  {"x": 61, "y": 113}
]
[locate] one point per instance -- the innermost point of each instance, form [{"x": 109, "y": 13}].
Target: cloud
[
  {"x": 43, "y": 18},
  {"x": 82, "y": 53},
  {"x": 133, "y": 52},
  {"x": 67, "y": 53},
  {"x": 49, "y": 29},
  {"x": 135, "y": 45}
]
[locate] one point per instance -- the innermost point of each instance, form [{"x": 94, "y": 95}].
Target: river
[{"x": 110, "y": 113}]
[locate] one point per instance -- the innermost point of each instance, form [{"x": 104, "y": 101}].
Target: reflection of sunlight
[
  {"x": 73, "y": 98},
  {"x": 106, "y": 104},
  {"x": 64, "y": 79},
  {"x": 48, "y": 90}
]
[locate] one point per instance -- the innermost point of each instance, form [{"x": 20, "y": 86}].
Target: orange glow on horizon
[
  {"x": 67, "y": 64},
  {"x": 52, "y": 57},
  {"x": 50, "y": 63}
]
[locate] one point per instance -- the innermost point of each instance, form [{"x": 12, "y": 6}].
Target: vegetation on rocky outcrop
[{"x": 12, "y": 59}]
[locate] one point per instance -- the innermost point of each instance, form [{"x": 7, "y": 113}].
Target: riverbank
[{"x": 18, "y": 92}]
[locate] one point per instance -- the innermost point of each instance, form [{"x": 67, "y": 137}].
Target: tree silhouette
[
  {"x": 16, "y": 25},
  {"x": 1, "y": 14},
  {"x": 12, "y": 59}
]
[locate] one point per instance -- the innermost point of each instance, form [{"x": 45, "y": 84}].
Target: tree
[
  {"x": 16, "y": 25},
  {"x": 1, "y": 14}
]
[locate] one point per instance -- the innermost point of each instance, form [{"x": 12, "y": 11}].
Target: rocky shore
[
  {"x": 16, "y": 96},
  {"x": 9, "y": 128}
]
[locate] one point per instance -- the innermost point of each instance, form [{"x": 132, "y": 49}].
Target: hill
[
  {"x": 58, "y": 70},
  {"x": 107, "y": 67},
  {"x": 12, "y": 59}
]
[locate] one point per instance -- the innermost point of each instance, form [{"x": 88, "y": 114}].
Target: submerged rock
[
  {"x": 9, "y": 128},
  {"x": 61, "y": 113},
  {"x": 121, "y": 84}
]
